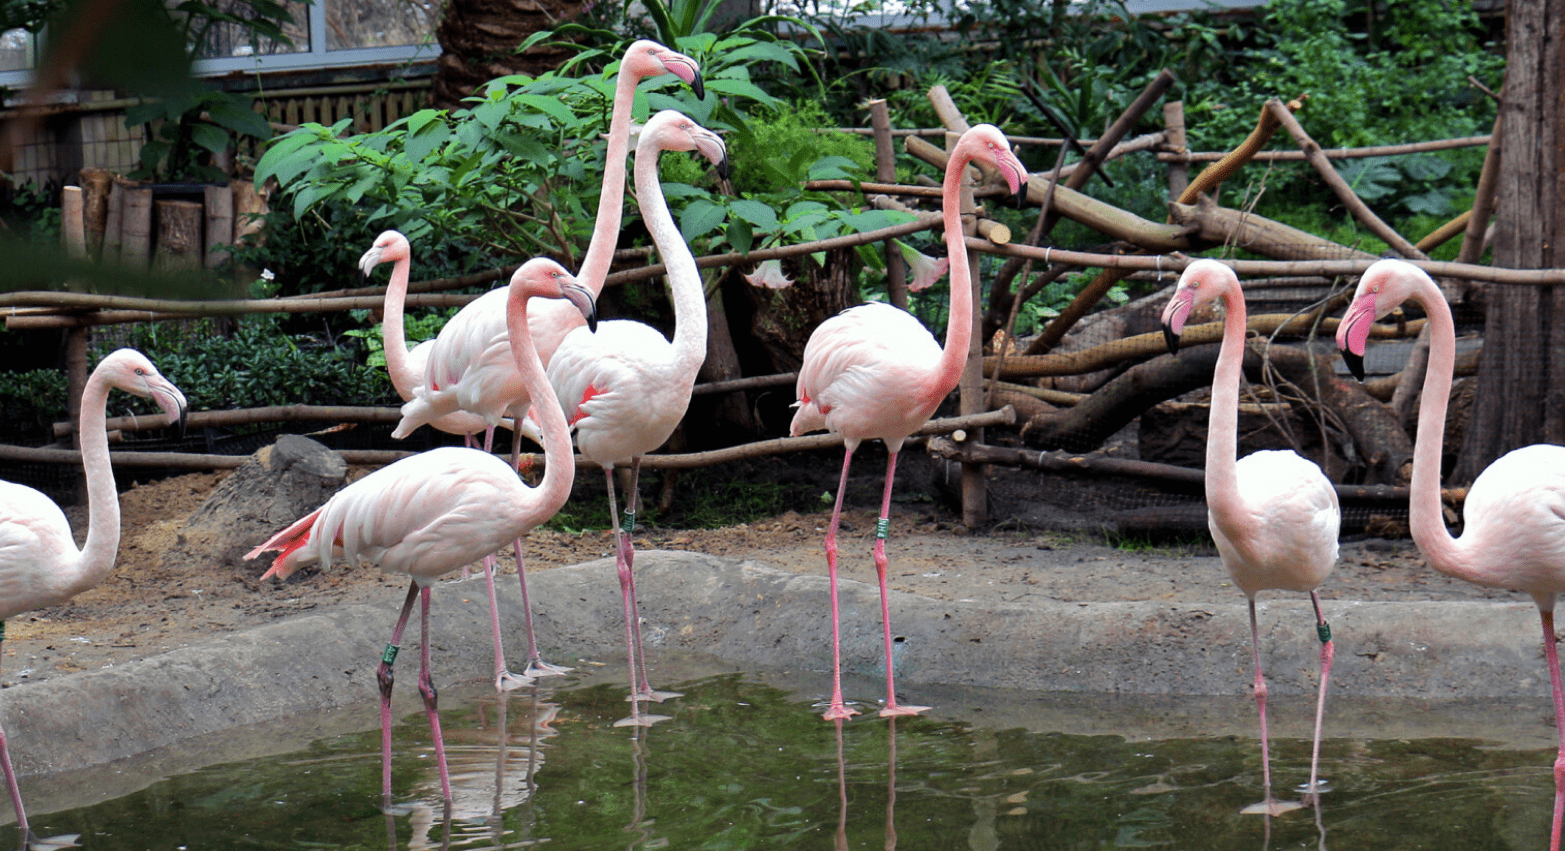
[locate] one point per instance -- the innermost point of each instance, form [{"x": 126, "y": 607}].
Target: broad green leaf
[
  {"x": 756, "y": 213},
  {"x": 214, "y": 139},
  {"x": 549, "y": 106},
  {"x": 419, "y": 120},
  {"x": 422, "y": 143},
  {"x": 740, "y": 235},
  {"x": 700, "y": 218}
]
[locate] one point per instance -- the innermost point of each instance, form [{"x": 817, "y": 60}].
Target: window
[{"x": 325, "y": 33}]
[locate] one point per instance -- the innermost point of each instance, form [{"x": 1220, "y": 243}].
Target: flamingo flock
[{"x": 533, "y": 358}]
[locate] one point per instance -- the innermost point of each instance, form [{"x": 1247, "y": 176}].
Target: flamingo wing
[
  {"x": 1288, "y": 537},
  {"x": 866, "y": 374},
  {"x": 620, "y": 389},
  {"x": 34, "y": 538}
]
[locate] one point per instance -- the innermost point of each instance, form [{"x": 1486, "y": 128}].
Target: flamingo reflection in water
[
  {"x": 841, "y": 841},
  {"x": 494, "y": 767}
]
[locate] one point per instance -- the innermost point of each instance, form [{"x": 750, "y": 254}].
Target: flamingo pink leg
[
  {"x": 1551, "y": 652},
  {"x": 1259, "y": 690},
  {"x": 627, "y": 588},
  {"x": 426, "y": 689},
  {"x": 1327, "y": 653},
  {"x": 10, "y": 780},
  {"x": 387, "y": 679},
  {"x": 891, "y": 709},
  {"x": 536, "y": 667},
  {"x": 838, "y": 709},
  {"x": 504, "y": 680},
  {"x": 626, "y": 550}
]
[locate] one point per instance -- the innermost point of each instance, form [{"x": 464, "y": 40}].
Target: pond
[{"x": 745, "y": 763}]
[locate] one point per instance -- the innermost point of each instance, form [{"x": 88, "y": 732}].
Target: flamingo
[
  {"x": 873, "y": 371},
  {"x": 626, "y": 387},
  {"x": 430, "y": 514},
  {"x": 469, "y": 368},
  {"x": 39, "y": 563},
  {"x": 407, "y": 370},
  {"x": 1274, "y": 515},
  {"x": 1514, "y": 519}
]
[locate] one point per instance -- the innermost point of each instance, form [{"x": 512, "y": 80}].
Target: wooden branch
[
  {"x": 194, "y": 461},
  {"x": 1340, "y": 187},
  {"x": 1241, "y": 229},
  {"x": 251, "y": 416},
  {"x": 1097, "y": 465},
  {"x": 1334, "y": 153},
  {"x": 1078, "y": 207},
  {"x": 1144, "y": 346},
  {"x": 1215, "y": 174},
  {"x": 1273, "y": 268}
]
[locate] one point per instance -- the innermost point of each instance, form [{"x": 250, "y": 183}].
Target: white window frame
[{"x": 316, "y": 57}]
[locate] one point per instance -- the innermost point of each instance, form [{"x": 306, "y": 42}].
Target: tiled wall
[{"x": 88, "y": 134}]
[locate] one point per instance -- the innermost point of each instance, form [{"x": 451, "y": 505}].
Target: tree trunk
[
  {"x": 478, "y": 40},
  {"x": 1514, "y": 406}
]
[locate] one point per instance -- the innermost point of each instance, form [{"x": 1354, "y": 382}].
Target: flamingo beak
[
  {"x": 1353, "y": 333},
  {"x": 685, "y": 69},
  {"x": 581, "y": 297},
  {"x": 368, "y": 262},
  {"x": 173, "y": 404},
  {"x": 1174, "y": 316}
]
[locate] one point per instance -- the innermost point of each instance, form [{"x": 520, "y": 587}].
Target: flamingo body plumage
[
  {"x": 873, "y": 372},
  {"x": 40, "y": 564},
  {"x": 1274, "y": 515},
  {"x": 625, "y": 388},
  {"x": 434, "y": 512},
  {"x": 1513, "y": 533}
]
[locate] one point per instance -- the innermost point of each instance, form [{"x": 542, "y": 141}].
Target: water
[{"x": 746, "y": 765}]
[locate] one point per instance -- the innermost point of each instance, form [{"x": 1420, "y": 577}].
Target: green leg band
[
  {"x": 628, "y": 522},
  {"x": 390, "y": 656},
  {"x": 883, "y": 528},
  {"x": 1323, "y": 630}
]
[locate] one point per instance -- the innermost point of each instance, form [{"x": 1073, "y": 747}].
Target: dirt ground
[{"x": 147, "y": 606}]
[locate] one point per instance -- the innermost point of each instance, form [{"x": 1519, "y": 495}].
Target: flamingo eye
[{"x": 140, "y": 371}]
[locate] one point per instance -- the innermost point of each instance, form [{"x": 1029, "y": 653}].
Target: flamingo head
[
  {"x": 646, "y": 58},
  {"x": 131, "y": 371},
  {"x": 986, "y": 144},
  {"x": 1382, "y": 288},
  {"x": 672, "y": 130},
  {"x": 1201, "y": 282},
  {"x": 543, "y": 278},
  {"x": 389, "y": 246}
]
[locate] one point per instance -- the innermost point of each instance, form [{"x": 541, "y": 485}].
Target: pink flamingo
[
  {"x": 1514, "y": 532},
  {"x": 1273, "y": 514},
  {"x": 39, "y": 563},
  {"x": 469, "y": 368},
  {"x": 626, "y": 387},
  {"x": 434, "y": 512},
  {"x": 407, "y": 370},
  {"x": 873, "y": 371}
]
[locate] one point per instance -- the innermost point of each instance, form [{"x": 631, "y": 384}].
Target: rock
[{"x": 278, "y": 485}]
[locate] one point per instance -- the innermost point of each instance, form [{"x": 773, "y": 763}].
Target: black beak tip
[
  {"x": 1021, "y": 197},
  {"x": 592, "y": 322},
  {"x": 698, "y": 87},
  {"x": 179, "y": 425},
  {"x": 722, "y": 168},
  {"x": 1355, "y": 363},
  {"x": 1171, "y": 339}
]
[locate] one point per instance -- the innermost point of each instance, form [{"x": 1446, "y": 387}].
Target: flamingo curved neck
[
  {"x": 558, "y": 459},
  {"x": 959, "y": 327},
  {"x": 684, "y": 279},
  {"x": 1426, "y": 519},
  {"x": 103, "y": 501},
  {"x": 394, "y": 335},
  {"x": 1222, "y": 429},
  {"x": 611, "y": 201}
]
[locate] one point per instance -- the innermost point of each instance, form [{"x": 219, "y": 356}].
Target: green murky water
[{"x": 743, "y": 765}]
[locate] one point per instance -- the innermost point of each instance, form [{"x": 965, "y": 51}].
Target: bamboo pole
[{"x": 886, "y": 173}]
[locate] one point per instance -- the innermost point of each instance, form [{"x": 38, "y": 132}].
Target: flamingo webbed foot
[
  {"x": 1271, "y": 807},
  {"x": 539, "y": 668},
  {"x": 506, "y": 681},
  {"x": 654, "y": 695},
  {"x": 839, "y": 712},
  {"x": 642, "y": 720},
  {"x": 899, "y": 710},
  {"x": 49, "y": 843}
]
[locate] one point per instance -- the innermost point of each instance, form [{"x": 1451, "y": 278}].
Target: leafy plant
[{"x": 189, "y": 130}]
